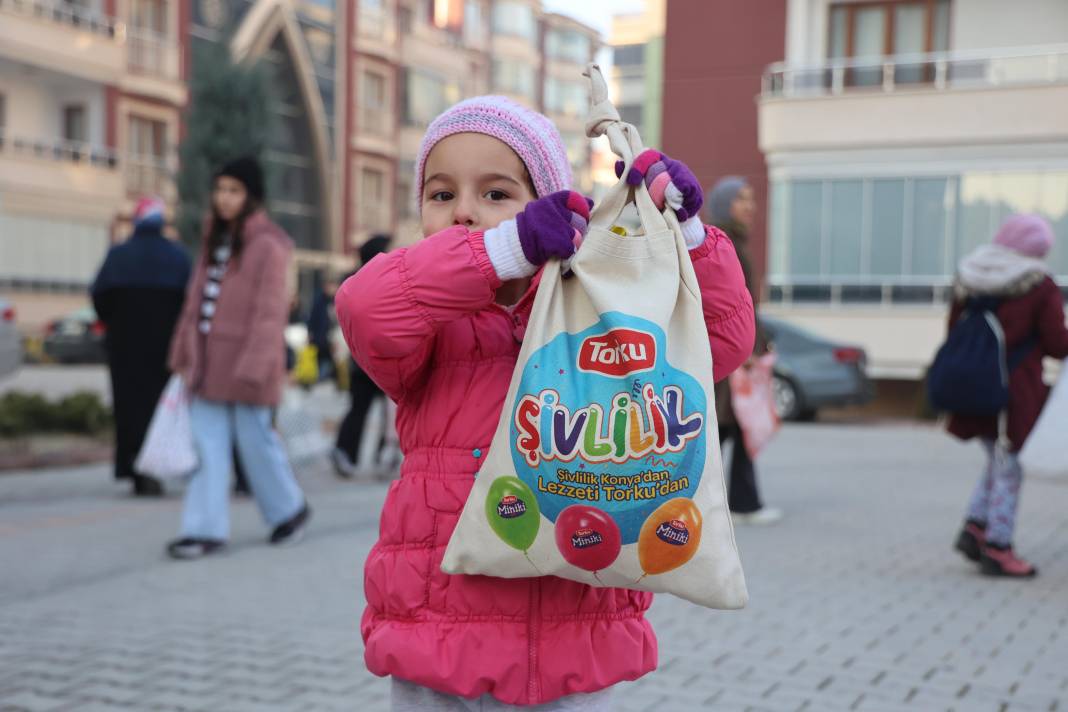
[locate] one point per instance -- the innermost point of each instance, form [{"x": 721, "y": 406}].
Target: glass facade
[{"x": 897, "y": 239}]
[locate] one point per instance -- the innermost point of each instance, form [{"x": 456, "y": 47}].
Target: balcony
[
  {"x": 154, "y": 66},
  {"x": 56, "y": 176},
  {"x": 63, "y": 38},
  {"x": 149, "y": 175},
  {"x": 940, "y": 98}
]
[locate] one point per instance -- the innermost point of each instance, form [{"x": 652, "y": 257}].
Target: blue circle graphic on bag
[{"x": 602, "y": 418}]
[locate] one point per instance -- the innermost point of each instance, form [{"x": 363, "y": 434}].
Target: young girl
[
  {"x": 439, "y": 326},
  {"x": 228, "y": 348},
  {"x": 1031, "y": 313}
]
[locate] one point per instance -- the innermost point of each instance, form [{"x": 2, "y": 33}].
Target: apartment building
[
  {"x": 637, "y": 80},
  {"x": 90, "y": 100},
  {"x": 898, "y": 136}
]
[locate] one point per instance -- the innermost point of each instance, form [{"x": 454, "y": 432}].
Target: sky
[{"x": 595, "y": 13}]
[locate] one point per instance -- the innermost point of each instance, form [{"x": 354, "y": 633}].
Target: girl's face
[
  {"x": 743, "y": 207},
  {"x": 472, "y": 180},
  {"x": 228, "y": 197}
]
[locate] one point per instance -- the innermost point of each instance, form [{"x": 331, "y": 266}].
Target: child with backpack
[
  {"x": 1007, "y": 314},
  {"x": 439, "y": 326}
]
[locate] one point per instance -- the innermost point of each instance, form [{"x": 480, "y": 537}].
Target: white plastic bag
[
  {"x": 300, "y": 427},
  {"x": 169, "y": 451},
  {"x": 753, "y": 402},
  {"x": 1044, "y": 454}
]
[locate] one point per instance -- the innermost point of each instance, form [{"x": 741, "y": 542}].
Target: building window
[
  {"x": 513, "y": 77},
  {"x": 566, "y": 97},
  {"x": 374, "y": 103},
  {"x": 514, "y": 18},
  {"x": 426, "y": 95},
  {"x": 898, "y": 239},
  {"x": 631, "y": 114},
  {"x": 373, "y": 209},
  {"x": 474, "y": 23},
  {"x": 448, "y": 15},
  {"x": 568, "y": 45},
  {"x": 406, "y": 197},
  {"x": 146, "y": 156},
  {"x": 148, "y": 16},
  {"x": 75, "y": 123},
  {"x": 632, "y": 55},
  {"x": 873, "y": 30}
]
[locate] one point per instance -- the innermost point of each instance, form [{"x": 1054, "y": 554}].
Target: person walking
[
  {"x": 138, "y": 295},
  {"x": 228, "y": 348},
  {"x": 363, "y": 392},
  {"x": 732, "y": 208},
  {"x": 1030, "y": 309},
  {"x": 321, "y": 323}
]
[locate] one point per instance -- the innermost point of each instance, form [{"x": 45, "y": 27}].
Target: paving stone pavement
[{"x": 857, "y": 601}]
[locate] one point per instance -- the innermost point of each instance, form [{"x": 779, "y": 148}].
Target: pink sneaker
[{"x": 1004, "y": 562}]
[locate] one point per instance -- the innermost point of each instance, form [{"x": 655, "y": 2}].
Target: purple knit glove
[
  {"x": 548, "y": 225},
  {"x": 671, "y": 183}
]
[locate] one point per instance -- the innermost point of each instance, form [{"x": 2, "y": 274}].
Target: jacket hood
[{"x": 997, "y": 270}]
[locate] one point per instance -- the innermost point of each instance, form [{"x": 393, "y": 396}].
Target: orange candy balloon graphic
[{"x": 670, "y": 536}]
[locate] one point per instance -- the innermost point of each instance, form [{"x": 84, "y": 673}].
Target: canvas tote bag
[{"x": 605, "y": 467}]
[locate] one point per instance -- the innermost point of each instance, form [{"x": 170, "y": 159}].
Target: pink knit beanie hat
[
  {"x": 532, "y": 136},
  {"x": 1029, "y": 235}
]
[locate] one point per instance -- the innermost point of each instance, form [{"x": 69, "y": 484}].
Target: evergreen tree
[{"x": 228, "y": 116}]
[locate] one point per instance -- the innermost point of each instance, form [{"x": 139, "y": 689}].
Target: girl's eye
[
  {"x": 441, "y": 196},
  {"x": 497, "y": 195}
]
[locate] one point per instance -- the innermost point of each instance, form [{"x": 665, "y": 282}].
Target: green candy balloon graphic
[{"x": 513, "y": 512}]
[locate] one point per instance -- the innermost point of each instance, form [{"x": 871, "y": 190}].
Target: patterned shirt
[{"x": 220, "y": 258}]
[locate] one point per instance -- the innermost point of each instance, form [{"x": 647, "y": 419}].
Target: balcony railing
[
  {"x": 147, "y": 175},
  {"x": 71, "y": 15},
  {"x": 938, "y": 70},
  {"x": 146, "y": 52},
  {"x": 59, "y": 150}
]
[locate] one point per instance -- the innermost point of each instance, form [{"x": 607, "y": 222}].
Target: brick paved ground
[{"x": 857, "y": 601}]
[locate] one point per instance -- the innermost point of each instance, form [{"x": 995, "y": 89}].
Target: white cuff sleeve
[
  {"x": 693, "y": 232},
  {"x": 506, "y": 252}
]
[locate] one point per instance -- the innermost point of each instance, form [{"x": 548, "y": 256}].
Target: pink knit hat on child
[
  {"x": 1029, "y": 235},
  {"x": 532, "y": 136}
]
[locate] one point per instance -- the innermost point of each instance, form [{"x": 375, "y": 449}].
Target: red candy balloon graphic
[{"x": 587, "y": 537}]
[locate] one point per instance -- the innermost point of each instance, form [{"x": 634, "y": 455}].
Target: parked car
[
  {"x": 812, "y": 372},
  {"x": 77, "y": 337},
  {"x": 10, "y": 341}
]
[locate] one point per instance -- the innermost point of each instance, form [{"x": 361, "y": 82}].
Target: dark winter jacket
[{"x": 1032, "y": 308}]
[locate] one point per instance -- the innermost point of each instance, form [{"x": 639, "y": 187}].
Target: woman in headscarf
[{"x": 732, "y": 207}]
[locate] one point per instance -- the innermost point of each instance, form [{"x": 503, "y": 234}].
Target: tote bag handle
[{"x": 625, "y": 141}]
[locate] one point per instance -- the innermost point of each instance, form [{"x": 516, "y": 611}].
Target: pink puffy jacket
[{"x": 423, "y": 324}]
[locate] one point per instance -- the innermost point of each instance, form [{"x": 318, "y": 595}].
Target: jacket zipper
[{"x": 533, "y": 688}]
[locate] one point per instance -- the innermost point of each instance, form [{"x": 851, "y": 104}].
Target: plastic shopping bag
[
  {"x": 169, "y": 450},
  {"x": 306, "y": 372},
  {"x": 605, "y": 467},
  {"x": 753, "y": 402},
  {"x": 1045, "y": 454}
]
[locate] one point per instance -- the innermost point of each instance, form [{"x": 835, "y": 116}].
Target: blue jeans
[{"x": 216, "y": 427}]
